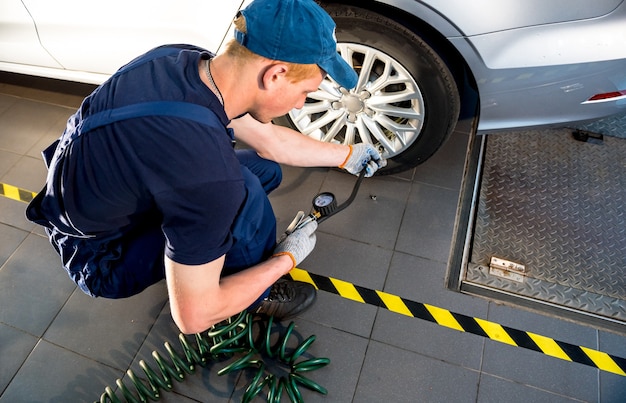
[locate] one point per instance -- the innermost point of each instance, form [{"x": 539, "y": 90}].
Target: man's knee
[
  {"x": 268, "y": 172},
  {"x": 274, "y": 177}
]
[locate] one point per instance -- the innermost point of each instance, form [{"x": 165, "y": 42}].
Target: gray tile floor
[{"x": 58, "y": 345}]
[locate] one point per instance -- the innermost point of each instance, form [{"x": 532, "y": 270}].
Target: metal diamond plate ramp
[
  {"x": 557, "y": 207},
  {"x": 611, "y": 126}
]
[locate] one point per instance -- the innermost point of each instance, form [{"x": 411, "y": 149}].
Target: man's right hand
[
  {"x": 298, "y": 244},
  {"x": 363, "y": 156}
]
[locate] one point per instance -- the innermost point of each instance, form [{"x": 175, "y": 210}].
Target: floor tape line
[
  {"x": 477, "y": 326},
  {"x": 15, "y": 193},
  {"x": 443, "y": 317}
]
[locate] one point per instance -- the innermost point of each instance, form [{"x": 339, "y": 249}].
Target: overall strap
[{"x": 184, "y": 110}]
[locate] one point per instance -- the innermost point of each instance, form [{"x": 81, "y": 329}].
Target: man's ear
[{"x": 272, "y": 75}]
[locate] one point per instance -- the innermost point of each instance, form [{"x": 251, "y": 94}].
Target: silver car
[{"x": 529, "y": 63}]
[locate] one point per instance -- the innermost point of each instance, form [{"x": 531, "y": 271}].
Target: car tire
[{"x": 406, "y": 102}]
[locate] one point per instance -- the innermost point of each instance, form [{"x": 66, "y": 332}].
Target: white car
[{"x": 531, "y": 63}]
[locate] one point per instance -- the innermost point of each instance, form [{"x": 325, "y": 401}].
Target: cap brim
[{"x": 340, "y": 71}]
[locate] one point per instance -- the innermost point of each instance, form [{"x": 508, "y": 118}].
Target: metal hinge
[{"x": 507, "y": 269}]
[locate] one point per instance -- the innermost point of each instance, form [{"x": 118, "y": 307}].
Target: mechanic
[{"x": 145, "y": 183}]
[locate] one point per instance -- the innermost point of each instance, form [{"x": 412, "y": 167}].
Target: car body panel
[
  {"x": 546, "y": 96},
  {"x": 22, "y": 45},
  {"x": 477, "y": 17},
  {"x": 542, "y": 69},
  {"x": 535, "y": 62},
  {"x": 543, "y": 75},
  {"x": 565, "y": 43},
  {"x": 112, "y": 28}
]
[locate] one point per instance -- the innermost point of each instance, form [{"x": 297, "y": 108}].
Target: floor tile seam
[
  {"x": 478, "y": 369},
  {"x": 17, "y": 247},
  {"x": 38, "y": 100},
  {"x": 395, "y": 245},
  {"x": 425, "y": 258},
  {"x": 368, "y": 244},
  {"x": 316, "y": 324},
  {"x": 548, "y": 317},
  {"x": 402, "y": 217},
  {"x": 145, "y": 338},
  {"x": 358, "y": 378},
  {"x": 432, "y": 357},
  {"x": 81, "y": 355},
  {"x": 599, "y": 370},
  {"x": 10, "y": 168},
  {"x": 360, "y": 336},
  {"x": 20, "y": 367},
  {"x": 35, "y": 233},
  {"x": 42, "y": 340},
  {"x": 359, "y": 241},
  {"x": 398, "y": 177},
  {"x": 551, "y": 392},
  {"x": 544, "y": 332},
  {"x": 142, "y": 375},
  {"x": 6, "y": 150},
  {"x": 18, "y": 228},
  {"x": 327, "y": 326},
  {"x": 393, "y": 292},
  {"x": 45, "y": 331},
  {"x": 21, "y": 159},
  {"x": 436, "y": 186},
  {"x": 19, "y": 329},
  {"x": 25, "y": 358},
  {"x": 481, "y": 361}
]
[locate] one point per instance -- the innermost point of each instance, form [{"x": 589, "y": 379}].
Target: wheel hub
[{"x": 352, "y": 103}]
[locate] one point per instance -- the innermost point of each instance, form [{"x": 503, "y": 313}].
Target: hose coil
[{"x": 233, "y": 339}]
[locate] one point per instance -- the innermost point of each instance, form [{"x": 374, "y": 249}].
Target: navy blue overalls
[{"x": 119, "y": 268}]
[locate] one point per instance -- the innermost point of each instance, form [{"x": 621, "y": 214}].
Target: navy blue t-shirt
[{"x": 168, "y": 170}]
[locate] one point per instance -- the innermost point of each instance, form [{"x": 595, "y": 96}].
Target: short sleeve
[{"x": 197, "y": 221}]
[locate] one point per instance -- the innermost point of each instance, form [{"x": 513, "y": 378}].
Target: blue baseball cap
[{"x": 295, "y": 31}]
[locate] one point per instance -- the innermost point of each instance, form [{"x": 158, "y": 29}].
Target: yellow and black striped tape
[
  {"x": 443, "y": 317},
  {"x": 463, "y": 323},
  {"x": 16, "y": 193}
]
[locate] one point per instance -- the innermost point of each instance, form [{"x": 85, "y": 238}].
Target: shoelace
[{"x": 280, "y": 292}]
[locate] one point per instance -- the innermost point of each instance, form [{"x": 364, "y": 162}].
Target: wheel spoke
[
  {"x": 334, "y": 130},
  {"x": 327, "y": 91},
  {"x": 347, "y": 52},
  {"x": 385, "y": 79},
  {"x": 397, "y": 111},
  {"x": 403, "y": 132},
  {"x": 350, "y": 135},
  {"x": 311, "y": 109},
  {"x": 378, "y": 134},
  {"x": 326, "y": 118}
]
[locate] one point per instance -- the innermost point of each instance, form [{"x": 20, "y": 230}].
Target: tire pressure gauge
[{"x": 324, "y": 204}]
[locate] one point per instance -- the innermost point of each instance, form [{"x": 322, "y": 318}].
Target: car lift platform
[{"x": 542, "y": 222}]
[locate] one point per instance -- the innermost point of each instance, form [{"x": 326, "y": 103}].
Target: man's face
[{"x": 283, "y": 96}]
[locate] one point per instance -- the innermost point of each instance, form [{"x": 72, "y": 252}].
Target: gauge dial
[
  {"x": 324, "y": 203},
  {"x": 323, "y": 200}
]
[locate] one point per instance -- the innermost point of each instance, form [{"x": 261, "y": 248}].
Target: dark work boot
[{"x": 287, "y": 298}]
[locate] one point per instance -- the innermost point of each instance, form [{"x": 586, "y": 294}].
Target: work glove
[
  {"x": 298, "y": 244},
  {"x": 363, "y": 156}
]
